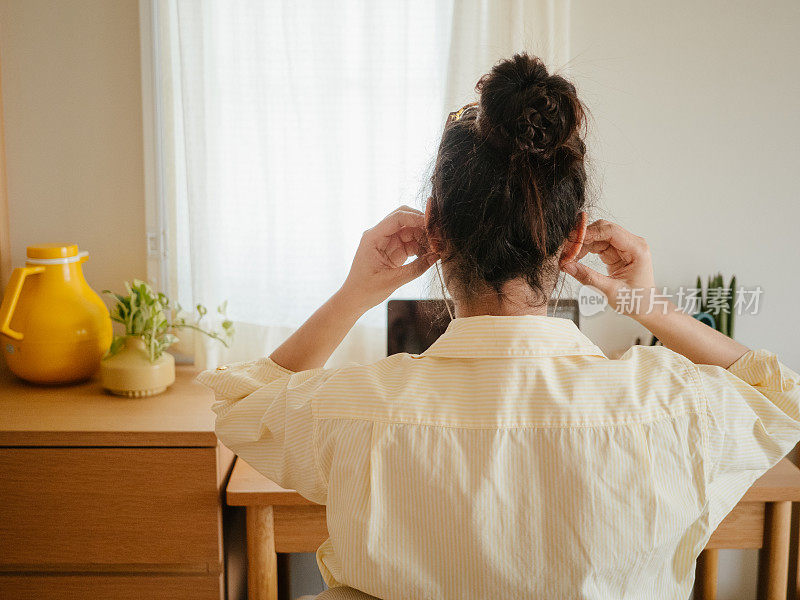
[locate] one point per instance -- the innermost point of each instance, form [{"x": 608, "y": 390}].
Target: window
[{"x": 284, "y": 129}]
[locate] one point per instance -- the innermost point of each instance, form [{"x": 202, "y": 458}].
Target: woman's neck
[{"x": 515, "y": 299}]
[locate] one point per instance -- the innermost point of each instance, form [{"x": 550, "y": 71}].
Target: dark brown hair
[{"x": 509, "y": 180}]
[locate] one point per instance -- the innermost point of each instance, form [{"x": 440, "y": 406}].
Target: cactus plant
[
  {"x": 718, "y": 302},
  {"x": 731, "y": 306},
  {"x": 702, "y": 307}
]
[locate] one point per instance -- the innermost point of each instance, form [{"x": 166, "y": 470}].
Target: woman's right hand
[{"x": 630, "y": 269}]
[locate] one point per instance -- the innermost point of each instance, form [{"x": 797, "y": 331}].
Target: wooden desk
[
  {"x": 762, "y": 519},
  {"x": 280, "y": 520},
  {"x": 109, "y": 497}
]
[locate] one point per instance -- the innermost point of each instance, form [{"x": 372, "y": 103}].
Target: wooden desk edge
[
  {"x": 780, "y": 484},
  {"x": 108, "y": 438},
  {"x": 249, "y": 488},
  {"x": 285, "y": 498}
]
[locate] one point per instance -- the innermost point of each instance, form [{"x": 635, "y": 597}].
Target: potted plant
[{"x": 136, "y": 365}]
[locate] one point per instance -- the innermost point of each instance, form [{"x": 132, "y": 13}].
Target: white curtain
[{"x": 285, "y": 128}]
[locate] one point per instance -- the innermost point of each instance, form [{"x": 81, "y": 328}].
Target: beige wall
[
  {"x": 71, "y": 89},
  {"x": 694, "y": 144}
]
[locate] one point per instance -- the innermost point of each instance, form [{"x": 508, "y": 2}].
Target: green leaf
[
  {"x": 116, "y": 345},
  {"x": 701, "y": 302},
  {"x": 167, "y": 340},
  {"x": 723, "y": 321},
  {"x": 731, "y": 306}
]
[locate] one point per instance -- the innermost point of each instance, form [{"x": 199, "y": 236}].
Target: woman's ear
[
  {"x": 574, "y": 243},
  {"x": 434, "y": 244}
]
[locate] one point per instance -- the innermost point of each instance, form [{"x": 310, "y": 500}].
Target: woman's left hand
[{"x": 379, "y": 265}]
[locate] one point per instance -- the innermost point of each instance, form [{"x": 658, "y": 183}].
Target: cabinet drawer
[
  {"x": 78, "y": 509},
  {"x": 118, "y": 587}
]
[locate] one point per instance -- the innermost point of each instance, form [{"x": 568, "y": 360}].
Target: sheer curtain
[{"x": 286, "y": 128}]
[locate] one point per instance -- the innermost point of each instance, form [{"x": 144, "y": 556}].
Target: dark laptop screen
[{"x": 413, "y": 325}]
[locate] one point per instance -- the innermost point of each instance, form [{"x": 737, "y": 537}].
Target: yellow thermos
[{"x": 54, "y": 328}]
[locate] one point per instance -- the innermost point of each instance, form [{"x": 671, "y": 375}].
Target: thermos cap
[{"x": 50, "y": 251}]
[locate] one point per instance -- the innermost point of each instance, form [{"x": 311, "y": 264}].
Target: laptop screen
[{"x": 413, "y": 325}]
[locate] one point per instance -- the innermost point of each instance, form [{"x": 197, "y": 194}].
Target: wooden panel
[
  {"x": 85, "y": 415},
  {"x": 299, "y": 528},
  {"x": 780, "y": 483},
  {"x": 742, "y": 528},
  {"x": 225, "y": 458},
  {"x": 248, "y": 487},
  {"x": 127, "y": 506},
  {"x": 118, "y": 587}
]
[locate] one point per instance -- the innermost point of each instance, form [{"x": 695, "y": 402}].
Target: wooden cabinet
[{"x": 110, "y": 497}]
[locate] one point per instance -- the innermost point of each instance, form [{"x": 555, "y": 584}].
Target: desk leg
[
  {"x": 777, "y": 548},
  {"x": 262, "y": 562},
  {"x": 705, "y": 581}
]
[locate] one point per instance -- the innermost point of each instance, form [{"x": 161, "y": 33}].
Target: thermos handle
[{"x": 13, "y": 291}]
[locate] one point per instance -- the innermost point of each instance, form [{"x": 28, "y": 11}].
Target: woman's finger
[
  {"x": 588, "y": 276},
  {"x": 407, "y": 208},
  {"x": 607, "y": 253},
  {"x": 405, "y": 235},
  {"x": 412, "y": 235},
  {"x": 402, "y": 252},
  {"x": 612, "y": 234},
  {"x": 412, "y": 248},
  {"x": 398, "y": 250},
  {"x": 396, "y": 221},
  {"x": 416, "y": 267},
  {"x": 391, "y": 253}
]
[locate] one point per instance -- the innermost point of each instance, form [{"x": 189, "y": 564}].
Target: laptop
[{"x": 413, "y": 325}]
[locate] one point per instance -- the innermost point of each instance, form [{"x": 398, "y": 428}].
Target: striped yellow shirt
[{"x": 512, "y": 459}]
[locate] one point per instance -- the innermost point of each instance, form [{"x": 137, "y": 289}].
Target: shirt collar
[{"x": 489, "y": 336}]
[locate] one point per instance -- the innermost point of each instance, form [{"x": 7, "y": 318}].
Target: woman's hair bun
[{"x": 525, "y": 109}]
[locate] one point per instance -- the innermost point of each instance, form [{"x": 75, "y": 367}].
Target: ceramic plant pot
[{"x": 130, "y": 373}]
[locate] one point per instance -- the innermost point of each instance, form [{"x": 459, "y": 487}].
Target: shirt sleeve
[
  {"x": 753, "y": 422},
  {"x": 266, "y": 416}
]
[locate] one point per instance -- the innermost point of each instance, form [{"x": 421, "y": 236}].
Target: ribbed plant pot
[{"x": 130, "y": 373}]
